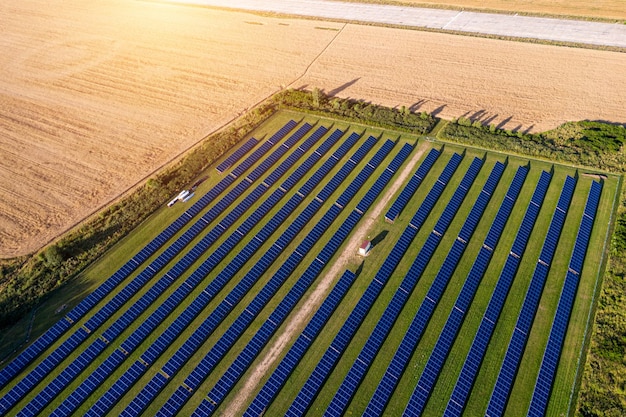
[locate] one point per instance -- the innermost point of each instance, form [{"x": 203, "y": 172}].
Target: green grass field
[{"x": 565, "y": 384}]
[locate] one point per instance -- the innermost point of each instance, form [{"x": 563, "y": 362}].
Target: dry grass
[
  {"x": 604, "y": 9},
  {"x": 94, "y": 96}
]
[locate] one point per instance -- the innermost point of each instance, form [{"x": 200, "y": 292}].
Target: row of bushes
[
  {"x": 588, "y": 143},
  {"x": 316, "y": 102}
]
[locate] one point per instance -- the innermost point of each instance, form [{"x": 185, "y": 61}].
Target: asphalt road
[{"x": 575, "y": 31}]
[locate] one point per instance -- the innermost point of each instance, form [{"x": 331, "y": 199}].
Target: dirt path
[{"x": 323, "y": 288}]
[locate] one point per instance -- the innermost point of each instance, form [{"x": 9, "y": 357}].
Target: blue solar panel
[
  {"x": 433, "y": 195},
  {"x": 224, "y": 344},
  {"x": 549, "y": 363},
  {"x": 303, "y": 342},
  {"x": 237, "y": 155},
  {"x": 176, "y": 271},
  {"x": 383, "y": 179},
  {"x": 263, "y": 149},
  {"x": 400, "y": 360},
  {"x": 219, "y": 314},
  {"x": 85, "y": 306},
  {"x": 385, "y": 323},
  {"x": 501, "y": 391},
  {"x": 447, "y": 336}
]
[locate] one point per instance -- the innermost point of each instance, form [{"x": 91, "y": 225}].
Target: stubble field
[{"x": 95, "y": 96}]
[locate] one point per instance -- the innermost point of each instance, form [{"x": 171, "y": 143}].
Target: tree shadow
[
  {"x": 490, "y": 119},
  {"x": 417, "y": 105},
  {"x": 342, "y": 87},
  {"x": 528, "y": 129},
  {"x": 504, "y": 122},
  {"x": 477, "y": 115},
  {"x": 438, "y": 110}
]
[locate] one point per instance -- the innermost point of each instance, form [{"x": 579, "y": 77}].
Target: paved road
[{"x": 594, "y": 33}]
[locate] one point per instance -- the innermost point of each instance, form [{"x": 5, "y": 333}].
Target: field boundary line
[{"x": 317, "y": 57}]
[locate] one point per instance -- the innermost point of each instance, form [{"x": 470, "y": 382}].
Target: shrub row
[{"x": 593, "y": 144}]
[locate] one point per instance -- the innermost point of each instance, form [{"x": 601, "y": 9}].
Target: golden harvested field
[
  {"x": 606, "y": 9},
  {"x": 519, "y": 85},
  {"x": 96, "y": 95}
]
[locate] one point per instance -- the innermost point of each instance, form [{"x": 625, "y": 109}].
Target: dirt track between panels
[
  {"x": 96, "y": 95},
  {"x": 315, "y": 300}
]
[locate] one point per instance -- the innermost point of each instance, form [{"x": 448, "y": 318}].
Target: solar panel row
[
  {"x": 290, "y": 361},
  {"x": 409, "y": 189},
  {"x": 252, "y": 349},
  {"x": 369, "y": 351},
  {"x": 447, "y": 336},
  {"x": 547, "y": 372},
  {"x": 52, "y": 334},
  {"x": 506, "y": 376},
  {"x": 278, "y": 153},
  {"x": 102, "y": 315},
  {"x": 206, "y": 328},
  {"x": 259, "y": 152},
  {"x": 293, "y": 296},
  {"x": 240, "y": 365},
  {"x": 165, "y": 339},
  {"x": 371, "y": 195},
  {"x": 399, "y": 362},
  {"x": 474, "y": 358},
  {"x": 176, "y": 271},
  {"x": 237, "y": 155},
  {"x": 313, "y": 384},
  {"x": 307, "y": 166},
  {"x": 429, "y": 202}
]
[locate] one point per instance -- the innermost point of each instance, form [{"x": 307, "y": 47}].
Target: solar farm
[{"x": 475, "y": 298}]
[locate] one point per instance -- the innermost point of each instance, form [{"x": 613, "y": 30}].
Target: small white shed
[{"x": 365, "y": 248}]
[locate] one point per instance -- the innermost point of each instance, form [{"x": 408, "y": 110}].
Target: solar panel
[
  {"x": 384, "y": 178},
  {"x": 500, "y": 393},
  {"x": 549, "y": 363},
  {"x": 259, "y": 152},
  {"x": 433, "y": 195},
  {"x": 399, "y": 362},
  {"x": 52, "y": 335},
  {"x": 243, "y": 321},
  {"x": 310, "y": 332},
  {"x": 447, "y": 336},
  {"x": 192, "y": 344},
  {"x": 383, "y": 327},
  {"x": 237, "y": 155},
  {"x": 176, "y": 271}
]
